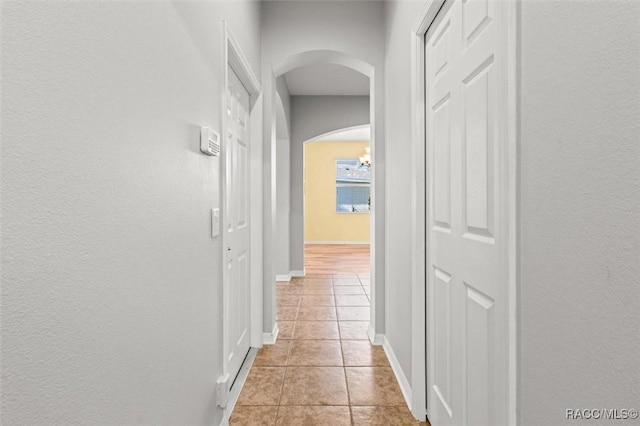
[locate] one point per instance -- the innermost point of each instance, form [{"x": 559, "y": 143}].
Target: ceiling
[
  {"x": 326, "y": 79},
  {"x": 303, "y": 1},
  {"x": 362, "y": 133}
]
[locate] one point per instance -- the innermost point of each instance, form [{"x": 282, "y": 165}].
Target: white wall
[
  {"x": 111, "y": 283},
  {"x": 400, "y": 16},
  {"x": 283, "y": 114},
  {"x": 579, "y": 298},
  {"x": 312, "y": 116},
  {"x": 355, "y": 28},
  {"x": 283, "y": 208}
]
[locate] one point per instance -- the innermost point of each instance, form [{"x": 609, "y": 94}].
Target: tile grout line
[
  {"x": 284, "y": 378},
  {"x": 344, "y": 367}
]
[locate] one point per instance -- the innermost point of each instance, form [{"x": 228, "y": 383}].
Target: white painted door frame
[
  {"x": 419, "y": 350},
  {"x": 234, "y": 58}
]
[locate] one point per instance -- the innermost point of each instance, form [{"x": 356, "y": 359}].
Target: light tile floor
[{"x": 323, "y": 369}]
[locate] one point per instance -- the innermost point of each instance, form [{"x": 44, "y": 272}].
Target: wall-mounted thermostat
[{"x": 209, "y": 141}]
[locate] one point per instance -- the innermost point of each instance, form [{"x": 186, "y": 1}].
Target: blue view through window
[{"x": 353, "y": 183}]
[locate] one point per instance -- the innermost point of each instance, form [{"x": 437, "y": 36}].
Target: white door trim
[
  {"x": 419, "y": 211},
  {"x": 425, "y": 18},
  {"x": 234, "y": 58}
]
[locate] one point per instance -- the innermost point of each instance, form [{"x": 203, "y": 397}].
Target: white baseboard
[
  {"x": 287, "y": 277},
  {"x": 234, "y": 394},
  {"x": 284, "y": 278},
  {"x": 405, "y": 385},
  {"x": 339, "y": 242},
  {"x": 376, "y": 339},
  {"x": 270, "y": 338}
]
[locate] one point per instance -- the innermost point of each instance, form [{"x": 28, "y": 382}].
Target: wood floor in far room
[{"x": 336, "y": 259}]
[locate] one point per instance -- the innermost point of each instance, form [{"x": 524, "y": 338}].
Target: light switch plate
[{"x": 215, "y": 222}]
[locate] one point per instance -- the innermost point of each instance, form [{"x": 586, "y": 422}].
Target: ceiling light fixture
[{"x": 365, "y": 160}]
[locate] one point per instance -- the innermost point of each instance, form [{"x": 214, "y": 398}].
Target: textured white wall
[
  {"x": 111, "y": 283},
  {"x": 313, "y": 116},
  {"x": 579, "y": 298},
  {"x": 399, "y": 18},
  {"x": 281, "y": 242},
  {"x": 283, "y": 114}
]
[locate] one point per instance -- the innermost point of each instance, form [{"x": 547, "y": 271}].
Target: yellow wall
[{"x": 321, "y": 222}]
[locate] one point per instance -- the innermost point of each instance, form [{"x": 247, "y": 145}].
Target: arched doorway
[{"x": 270, "y": 212}]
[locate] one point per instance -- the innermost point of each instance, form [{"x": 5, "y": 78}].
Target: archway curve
[
  {"x": 311, "y": 57},
  {"x": 340, "y": 130}
]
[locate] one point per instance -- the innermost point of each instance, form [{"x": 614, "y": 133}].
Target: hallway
[
  {"x": 323, "y": 370},
  {"x": 157, "y": 174}
]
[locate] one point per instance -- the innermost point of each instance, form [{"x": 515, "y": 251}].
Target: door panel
[
  {"x": 442, "y": 382},
  {"x": 242, "y": 185},
  {"x": 466, "y": 230},
  {"x": 442, "y": 164},
  {"x": 479, "y": 342},
  {"x": 477, "y": 190},
  {"x": 476, "y": 18},
  {"x": 236, "y": 230}
]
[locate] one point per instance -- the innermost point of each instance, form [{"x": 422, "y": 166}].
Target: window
[{"x": 353, "y": 183}]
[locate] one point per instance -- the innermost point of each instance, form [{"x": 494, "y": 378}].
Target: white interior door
[
  {"x": 467, "y": 291},
  {"x": 237, "y": 224}
]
